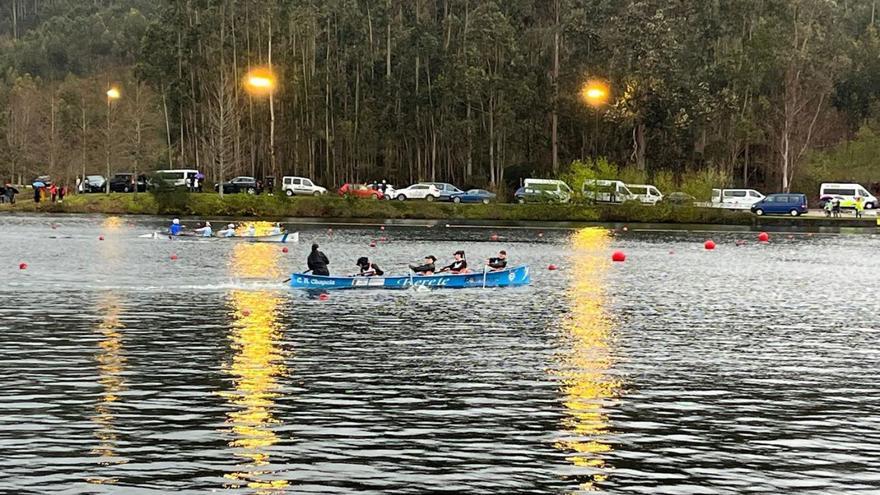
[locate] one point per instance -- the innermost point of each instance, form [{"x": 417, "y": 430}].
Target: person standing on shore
[
  {"x": 860, "y": 206},
  {"x": 318, "y": 262}
]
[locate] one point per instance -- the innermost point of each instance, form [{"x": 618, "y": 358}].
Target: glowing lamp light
[
  {"x": 595, "y": 93},
  {"x": 113, "y": 94},
  {"x": 260, "y": 81}
]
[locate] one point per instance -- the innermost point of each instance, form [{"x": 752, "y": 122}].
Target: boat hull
[
  {"x": 503, "y": 278},
  {"x": 287, "y": 237}
]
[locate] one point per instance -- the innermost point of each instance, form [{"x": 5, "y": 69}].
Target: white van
[
  {"x": 553, "y": 190},
  {"x": 606, "y": 191},
  {"x": 735, "y": 199},
  {"x": 300, "y": 186},
  {"x": 645, "y": 193},
  {"x": 176, "y": 177},
  {"x": 847, "y": 194}
]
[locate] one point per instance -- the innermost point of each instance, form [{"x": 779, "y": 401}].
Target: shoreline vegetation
[{"x": 208, "y": 205}]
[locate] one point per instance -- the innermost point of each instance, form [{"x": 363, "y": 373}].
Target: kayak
[
  {"x": 510, "y": 277},
  {"x": 280, "y": 238}
]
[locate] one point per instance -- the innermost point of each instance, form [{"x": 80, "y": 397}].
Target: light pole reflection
[
  {"x": 111, "y": 365},
  {"x": 585, "y": 363},
  {"x": 255, "y": 369}
]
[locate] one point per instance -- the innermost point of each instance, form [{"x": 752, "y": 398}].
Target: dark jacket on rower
[
  {"x": 497, "y": 263},
  {"x": 318, "y": 262},
  {"x": 369, "y": 269},
  {"x": 426, "y": 268},
  {"x": 455, "y": 266}
]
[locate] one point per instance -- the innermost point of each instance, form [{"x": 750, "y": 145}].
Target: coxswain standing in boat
[
  {"x": 499, "y": 263},
  {"x": 368, "y": 269},
  {"x": 175, "y": 227},
  {"x": 426, "y": 268},
  {"x": 458, "y": 265},
  {"x": 318, "y": 262},
  {"x": 206, "y": 231}
]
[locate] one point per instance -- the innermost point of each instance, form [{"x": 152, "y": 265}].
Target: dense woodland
[{"x": 477, "y": 92}]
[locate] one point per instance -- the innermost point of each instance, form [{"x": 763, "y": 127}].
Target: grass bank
[{"x": 264, "y": 206}]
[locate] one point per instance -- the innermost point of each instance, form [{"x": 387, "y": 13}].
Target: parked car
[
  {"x": 645, "y": 193},
  {"x": 125, "y": 183},
  {"x": 428, "y": 192},
  {"x": 735, "y": 199},
  {"x": 446, "y": 190},
  {"x": 607, "y": 191},
  {"x": 543, "y": 191},
  {"x": 301, "y": 186},
  {"x": 679, "y": 199},
  {"x": 793, "y": 204},
  {"x": 94, "y": 183},
  {"x": 847, "y": 194},
  {"x": 240, "y": 184},
  {"x": 360, "y": 191},
  {"x": 474, "y": 196},
  {"x": 177, "y": 177}
]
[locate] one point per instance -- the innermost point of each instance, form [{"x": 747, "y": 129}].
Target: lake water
[{"x": 747, "y": 369}]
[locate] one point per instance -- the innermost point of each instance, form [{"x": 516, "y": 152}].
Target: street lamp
[
  {"x": 113, "y": 94},
  {"x": 595, "y": 93},
  {"x": 261, "y": 81}
]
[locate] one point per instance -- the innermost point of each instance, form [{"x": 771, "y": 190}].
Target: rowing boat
[
  {"x": 283, "y": 238},
  {"x": 502, "y": 278}
]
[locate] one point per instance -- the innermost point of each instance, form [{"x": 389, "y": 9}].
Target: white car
[
  {"x": 301, "y": 186},
  {"x": 428, "y": 192},
  {"x": 645, "y": 193},
  {"x": 735, "y": 199}
]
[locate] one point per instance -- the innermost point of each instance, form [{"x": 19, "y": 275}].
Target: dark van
[{"x": 793, "y": 204}]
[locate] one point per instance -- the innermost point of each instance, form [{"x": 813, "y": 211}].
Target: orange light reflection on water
[
  {"x": 111, "y": 364},
  {"x": 256, "y": 366},
  {"x": 584, "y": 366}
]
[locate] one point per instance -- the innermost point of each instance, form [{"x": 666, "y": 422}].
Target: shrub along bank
[{"x": 242, "y": 205}]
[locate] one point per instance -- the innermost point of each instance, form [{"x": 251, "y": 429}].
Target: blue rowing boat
[{"x": 502, "y": 278}]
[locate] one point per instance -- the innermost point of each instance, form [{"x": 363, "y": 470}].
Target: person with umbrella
[
  {"x": 38, "y": 186},
  {"x": 200, "y": 179}
]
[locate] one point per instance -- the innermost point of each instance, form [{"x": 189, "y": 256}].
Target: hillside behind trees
[{"x": 766, "y": 93}]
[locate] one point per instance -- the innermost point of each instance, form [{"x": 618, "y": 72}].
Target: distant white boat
[{"x": 284, "y": 238}]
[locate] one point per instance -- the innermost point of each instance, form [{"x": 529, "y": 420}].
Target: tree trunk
[{"x": 554, "y": 116}]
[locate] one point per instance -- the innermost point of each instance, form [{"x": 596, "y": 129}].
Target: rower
[
  {"x": 368, "y": 269},
  {"x": 426, "y": 268},
  {"x": 318, "y": 262},
  {"x": 175, "y": 227},
  {"x": 499, "y": 263},
  {"x": 252, "y": 230},
  {"x": 229, "y": 231},
  {"x": 458, "y": 265},
  {"x": 276, "y": 230},
  {"x": 206, "y": 231}
]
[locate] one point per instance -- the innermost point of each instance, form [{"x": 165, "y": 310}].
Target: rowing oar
[{"x": 288, "y": 278}]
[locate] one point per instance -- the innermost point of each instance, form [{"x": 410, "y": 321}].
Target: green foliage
[{"x": 851, "y": 161}]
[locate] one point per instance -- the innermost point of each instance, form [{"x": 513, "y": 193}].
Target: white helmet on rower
[
  {"x": 176, "y": 221},
  {"x": 231, "y": 226}
]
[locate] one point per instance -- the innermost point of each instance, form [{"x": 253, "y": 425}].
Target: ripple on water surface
[{"x": 746, "y": 369}]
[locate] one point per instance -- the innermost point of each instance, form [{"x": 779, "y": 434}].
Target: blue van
[{"x": 793, "y": 204}]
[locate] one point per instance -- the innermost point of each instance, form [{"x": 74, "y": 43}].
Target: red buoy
[
  {"x": 245, "y": 312},
  {"x": 324, "y": 297},
  {"x": 671, "y": 252},
  {"x": 22, "y": 266},
  {"x": 284, "y": 250},
  {"x": 373, "y": 244},
  {"x": 493, "y": 237},
  {"x": 764, "y": 237},
  {"x": 100, "y": 238},
  {"x": 710, "y": 244},
  {"x": 552, "y": 267},
  {"x": 173, "y": 257},
  {"x": 383, "y": 239},
  {"x": 618, "y": 257},
  {"x": 382, "y": 227}
]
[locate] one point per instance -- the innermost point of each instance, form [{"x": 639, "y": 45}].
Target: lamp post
[
  {"x": 595, "y": 93},
  {"x": 112, "y": 95},
  {"x": 261, "y": 82}
]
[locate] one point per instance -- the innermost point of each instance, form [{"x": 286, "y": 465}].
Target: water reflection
[
  {"x": 257, "y": 364},
  {"x": 111, "y": 364},
  {"x": 586, "y": 385}
]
